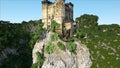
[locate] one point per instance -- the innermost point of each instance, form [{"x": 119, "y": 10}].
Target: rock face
[{"x": 63, "y": 59}]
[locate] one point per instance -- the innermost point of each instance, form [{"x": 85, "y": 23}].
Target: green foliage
[
  {"x": 40, "y": 58},
  {"x": 22, "y": 37},
  {"x": 36, "y": 34},
  {"x": 88, "y": 23},
  {"x": 54, "y": 25},
  {"x": 80, "y": 33},
  {"x": 88, "y": 20},
  {"x": 71, "y": 46},
  {"x": 54, "y": 37},
  {"x": 99, "y": 38},
  {"x": 9, "y": 62},
  {"x": 61, "y": 45},
  {"x": 49, "y": 48},
  {"x": 34, "y": 65},
  {"x": 40, "y": 61}
]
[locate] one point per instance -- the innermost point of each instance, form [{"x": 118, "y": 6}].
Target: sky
[{"x": 17, "y": 11}]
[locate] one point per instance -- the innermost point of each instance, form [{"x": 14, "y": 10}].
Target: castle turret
[
  {"x": 59, "y": 11},
  {"x": 71, "y": 10},
  {"x": 45, "y": 5},
  {"x": 59, "y": 0}
]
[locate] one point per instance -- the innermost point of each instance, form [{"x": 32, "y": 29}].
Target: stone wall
[{"x": 59, "y": 11}]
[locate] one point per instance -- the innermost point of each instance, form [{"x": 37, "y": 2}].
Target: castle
[{"x": 59, "y": 11}]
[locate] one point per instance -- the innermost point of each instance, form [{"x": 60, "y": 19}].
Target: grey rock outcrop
[{"x": 63, "y": 59}]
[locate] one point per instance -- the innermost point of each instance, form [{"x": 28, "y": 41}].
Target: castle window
[
  {"x": 52, "y": 17},
  {"x": 69, "y": 15},
  {"x": 48, "y": 17}
]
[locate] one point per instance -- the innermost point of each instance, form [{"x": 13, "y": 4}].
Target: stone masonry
[{"x": 59, "y": 11}]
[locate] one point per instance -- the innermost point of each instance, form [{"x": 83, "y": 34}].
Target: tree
[
  {"x": 87, "y": 24},
  {"x": 22, "y": 37}
]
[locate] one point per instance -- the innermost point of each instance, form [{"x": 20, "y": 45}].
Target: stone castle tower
[{"x": 59, "y": 11}]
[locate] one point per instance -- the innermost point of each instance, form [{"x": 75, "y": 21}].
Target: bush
[
  {"x": 40, "y": 58},
  {"x": 54, "y": 25},
  {"x": 71, "y": 46},
  {"x": 61, "y": 45},
  {"x": 49, "y": 48},
  {"x": 34, "y": 65},
  {"x": 54, "y": 37}
]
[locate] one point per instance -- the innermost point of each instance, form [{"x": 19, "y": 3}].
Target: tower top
[
  {"x": 60, "y": 0},
  {"x": 46, "y": 1}
]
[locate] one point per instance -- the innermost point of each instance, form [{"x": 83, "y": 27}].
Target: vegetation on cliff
[
  {"x": 49, "y": 48},
  {"x": 103, "y": 41},
  {"x": 21, "y": 37},
  {"x": 71, "y": 46},
  {"x": 61, "y": 46},
  {"x": 40, "y": 61}
]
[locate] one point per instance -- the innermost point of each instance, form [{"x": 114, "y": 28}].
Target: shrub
[
  {"x": 34, "y": 65},
  {"x": 61, "y": 45},
  {"x": 49, "y": 48},
  {"x": 40, "y": 58},
  {"x": 54, "y": 25},
  {"x": 54, "y": 37},
  {"x": 71, "y": 46}
]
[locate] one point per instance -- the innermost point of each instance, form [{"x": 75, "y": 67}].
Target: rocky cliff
[{"x": 62, "y": 58}]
